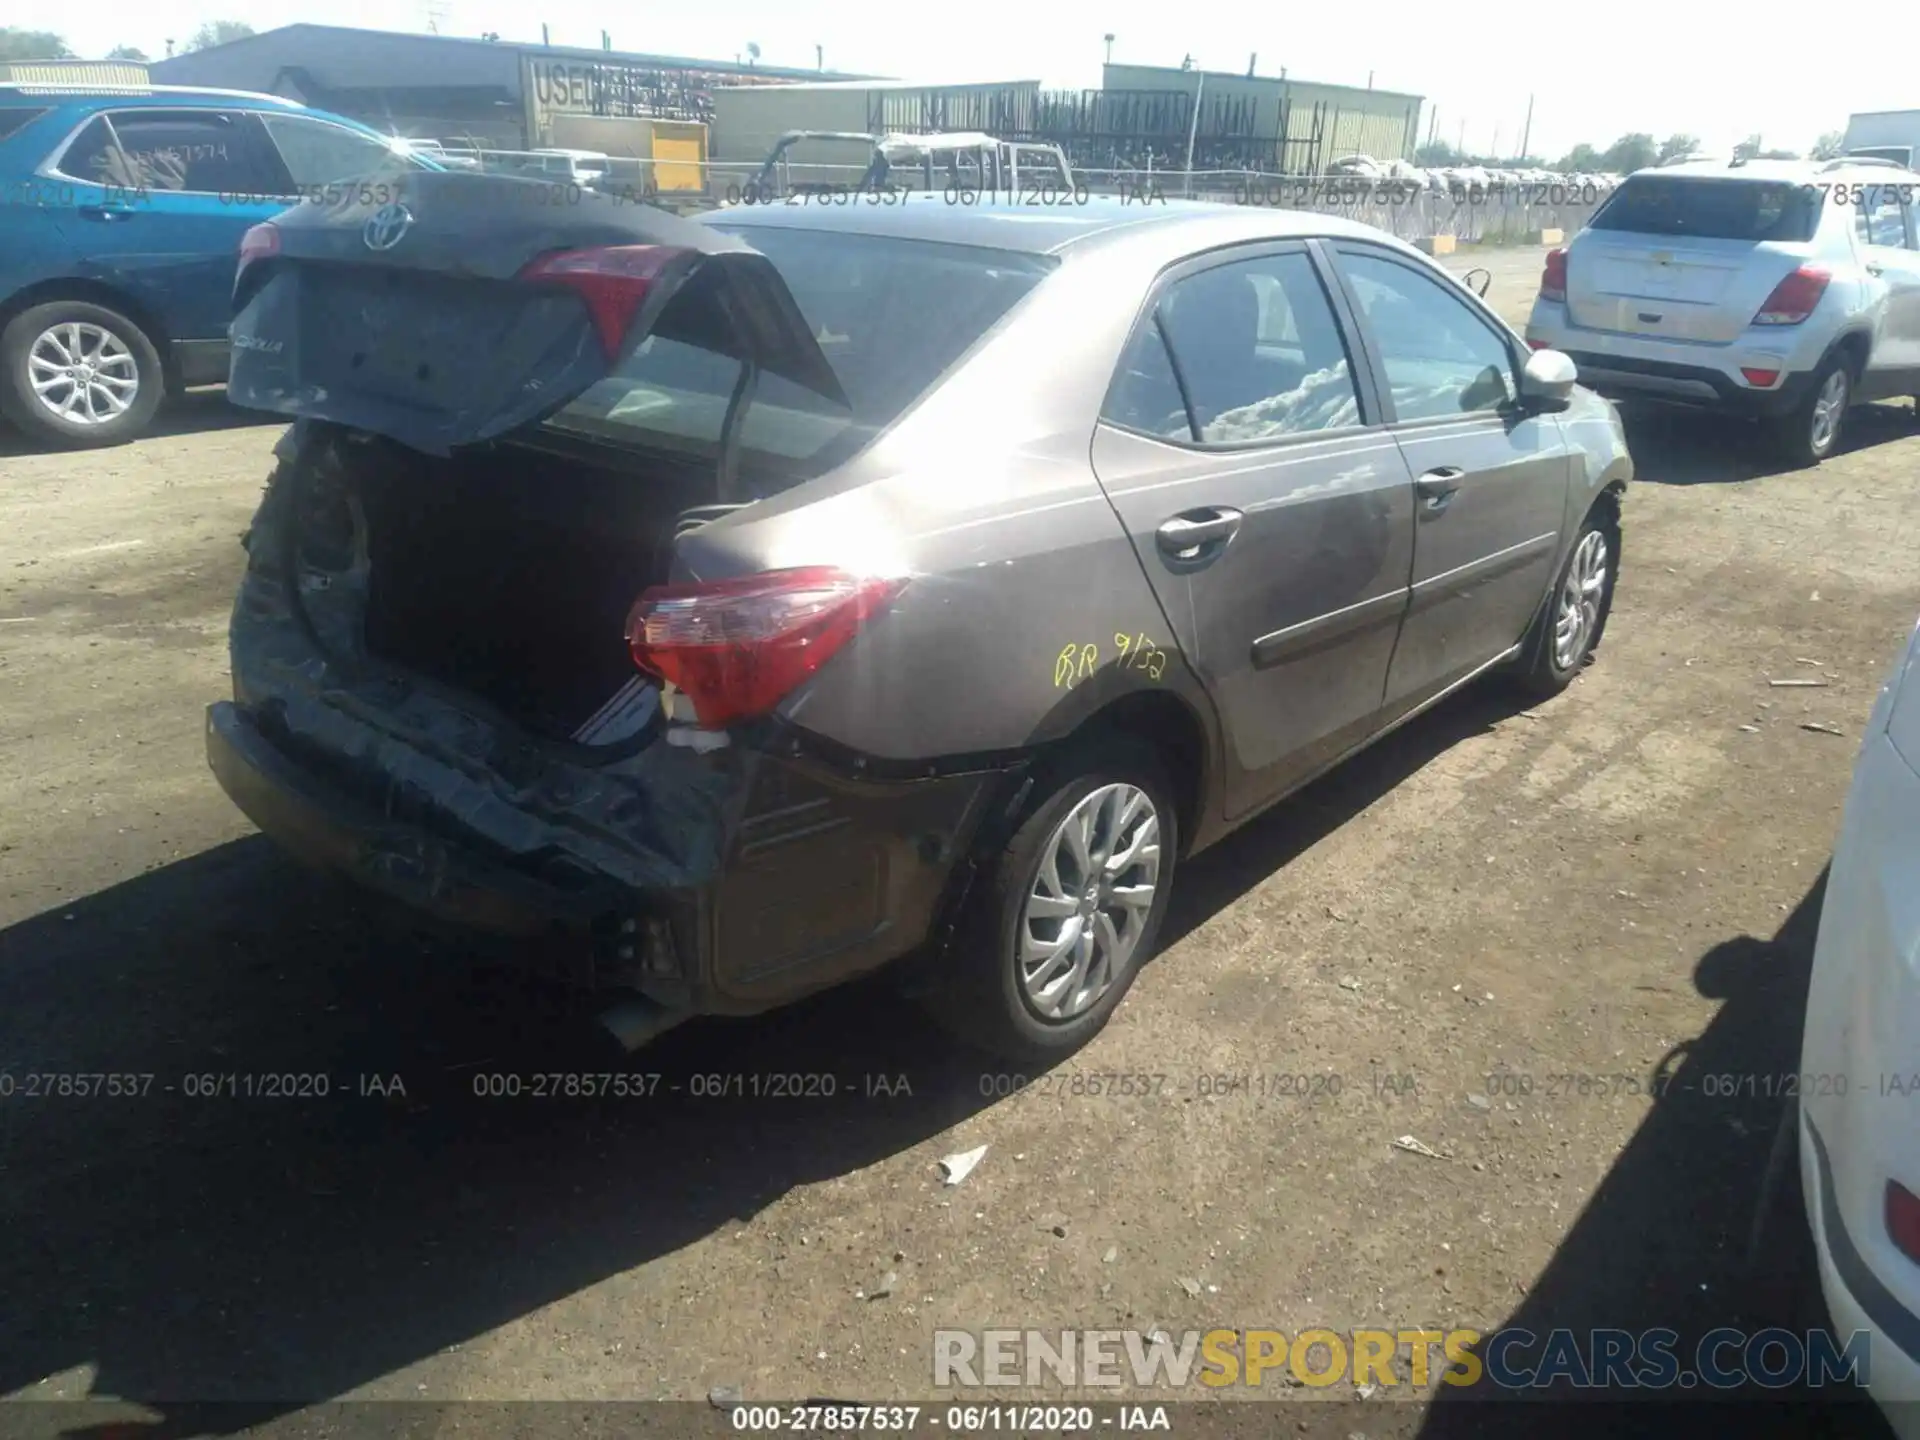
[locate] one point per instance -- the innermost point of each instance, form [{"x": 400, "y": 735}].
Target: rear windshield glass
[
  {"x": 890, "y": 316},
  {"x": 1711, "y": 209}
]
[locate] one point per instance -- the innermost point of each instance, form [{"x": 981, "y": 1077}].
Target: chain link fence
[{"x": 1488, "y": 215}]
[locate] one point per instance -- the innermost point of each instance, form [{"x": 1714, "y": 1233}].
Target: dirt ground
[{"x": 1622, "y": 882}]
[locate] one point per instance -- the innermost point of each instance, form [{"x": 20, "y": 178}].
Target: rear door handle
[
  {"x": 1196, "y": 536},
  {"x": 104, "y": 212},
  {"x": 1874, "y": 267},
  {"x": 1436, "y": 487}
]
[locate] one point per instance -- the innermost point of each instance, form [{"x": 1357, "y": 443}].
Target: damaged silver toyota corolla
[{"x": 915, "y": 583}]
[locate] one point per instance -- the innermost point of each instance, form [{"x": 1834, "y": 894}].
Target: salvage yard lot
[{"x": 1500, "y": 932}]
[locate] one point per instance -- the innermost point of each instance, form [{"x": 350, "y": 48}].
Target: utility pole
[
  {"x": 1108, "y": 37},
  {"x": 1526, "y": 132},
  {"x": 1193, "y": 129},
  {"x": 1496, "y": 141},
  {"x": 819, "y": 57}
]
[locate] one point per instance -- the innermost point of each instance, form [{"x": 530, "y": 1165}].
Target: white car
[
  {"x": 1859, "y": 1080},
  {"x": 1785, "y": 291}
]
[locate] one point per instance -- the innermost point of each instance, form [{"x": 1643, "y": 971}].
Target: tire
[
  {"x": 982, "y": 995},
  {"x": 1798, "y": 436},
  {"x": 38, "y": 336},
  {"x": 1545, "y": 667}
]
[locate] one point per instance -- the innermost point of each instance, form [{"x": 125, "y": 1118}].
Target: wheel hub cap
[
  {"x": 82, "y": 373},
  {"x": 1089, "y": 901},
  {"x": 1581, "y": 593}
]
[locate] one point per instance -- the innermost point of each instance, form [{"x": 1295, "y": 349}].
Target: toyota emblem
[{"x": 388, "y": 225}]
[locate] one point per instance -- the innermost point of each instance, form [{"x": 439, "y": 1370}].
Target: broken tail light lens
[
  {"x": 1553, "y": 278},
  {"x": 611, "y": 279},
  {"x": 1795, "y": 297},
  {"x": 739, "y": 647}
]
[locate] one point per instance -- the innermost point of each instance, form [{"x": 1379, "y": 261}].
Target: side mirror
[{"x": 1546, "y": 381}]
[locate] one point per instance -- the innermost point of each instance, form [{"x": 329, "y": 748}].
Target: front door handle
[
  {"x": 1436, "y": 487},
  {"x": 104, "y": 212},
  {"x": 1874, "y": 267},
  {"x": 1196, "y": 536}
]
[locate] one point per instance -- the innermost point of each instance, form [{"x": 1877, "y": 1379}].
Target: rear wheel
[
  {"x": 1810, "y": 432},
  {"x": 1070, "y": 911},
  {"x": 78, "y": 374}
]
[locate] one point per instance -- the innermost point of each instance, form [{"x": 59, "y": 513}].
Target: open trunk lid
[{"x": 452, "y": 308}]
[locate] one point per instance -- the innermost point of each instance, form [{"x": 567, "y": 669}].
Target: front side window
[
  {"x": 1439, "y": 356},
  {"x": 317, "y": 153},
  {"x": 1260, "y": 351}
]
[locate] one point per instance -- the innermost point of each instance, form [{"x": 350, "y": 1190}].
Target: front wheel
[
  {"x": 78, "y": 374},
  {"x": 1071, "y": 911},
  {"x": 1568, "y": 628}
]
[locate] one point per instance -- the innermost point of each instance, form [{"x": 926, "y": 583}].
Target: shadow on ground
[
  {"x": 1675, "y": 446},
  {"x": 274, "y": 1251},
  {"x": 1664, "y": 1242},
  {"x": 193, "y": 412}
]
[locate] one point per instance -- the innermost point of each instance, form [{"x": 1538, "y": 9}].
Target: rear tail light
[
  {"x": 1903, "y": 1220},
  {"x": 1794, "y": 298},
  {"x": 1537, "y": 345},
  {"x": 739, "y": 647},
  {"x": 612, "y": 279},
  {"x": 262, "y": 242},
  {"x": 1761, "y": 378},
  {"x": 1553, "y": 279}
]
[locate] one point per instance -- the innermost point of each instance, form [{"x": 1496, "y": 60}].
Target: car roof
[
  {"x": 1178, "y": 226},
  {"x": 27, "y": 92}
]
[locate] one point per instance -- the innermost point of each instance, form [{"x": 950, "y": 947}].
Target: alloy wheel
[
  {"x": 1089, "y": 902},
  {"x": 83, "y": 373},
  {"x": 1580, "y": 596}
]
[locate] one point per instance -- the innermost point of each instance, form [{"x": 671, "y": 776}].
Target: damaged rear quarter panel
[
  {"x": 654, "y": 819},
  {"x": 1026, "y": 606}
]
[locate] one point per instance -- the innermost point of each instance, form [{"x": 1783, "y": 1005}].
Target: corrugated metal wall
[{"x": 104, "y": 73}]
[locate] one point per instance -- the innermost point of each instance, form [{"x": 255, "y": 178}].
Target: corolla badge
[{"x": 388, "y": 225}]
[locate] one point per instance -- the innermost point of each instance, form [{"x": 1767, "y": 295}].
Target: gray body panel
[{"x": 833, "y": 836}]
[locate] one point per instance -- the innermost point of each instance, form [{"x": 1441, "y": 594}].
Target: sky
[{"x": 1662, "y": 66}]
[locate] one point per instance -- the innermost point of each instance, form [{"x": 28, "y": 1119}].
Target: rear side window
[
  {"x": 891, "y": 316},
  {"x": 1711, "y": 209},
  {"x": 203, "y": 152},
  {"x": 1145, "y": 395},
  {"x": 1880, "y": 218},
  {"x": 12, "y": 121},
  {"x": 1260, "y": 351}
]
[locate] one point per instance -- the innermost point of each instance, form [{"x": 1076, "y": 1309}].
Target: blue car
[{"x": 121, "y": 213}]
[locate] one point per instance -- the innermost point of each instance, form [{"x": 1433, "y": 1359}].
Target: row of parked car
[{"x": 1476, "y": 179}]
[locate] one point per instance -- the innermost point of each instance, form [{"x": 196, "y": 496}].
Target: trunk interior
[{"x": 508, "y": 572}]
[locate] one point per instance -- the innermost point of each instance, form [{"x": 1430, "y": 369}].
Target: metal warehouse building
[
  {"x": 747, "y": 120},
  {"x": 1296, "y": 127},
  {"x": 496, "y": 94}
]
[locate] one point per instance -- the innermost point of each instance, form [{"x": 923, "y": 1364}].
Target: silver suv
[{"x": 1786, "y": 291}]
